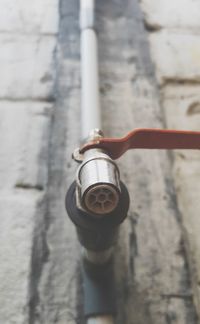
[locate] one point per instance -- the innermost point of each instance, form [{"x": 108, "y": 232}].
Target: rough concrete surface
[
  {"x": 25, "y": 17},
  {"x": 24, "y": 150},
  {"x": 153, "y": 283},
  {"x": 33, "y": 55},
  {"x": 40, "y": 280},
  {"x": 181, "y": 105},
  {"x": 181, "y": 60},
  {"x": 176, "y": 56},
  {"x": 17, "y": 223},
  {"x": 26, "y": 104},
  {"x": 184, "y": 14}
]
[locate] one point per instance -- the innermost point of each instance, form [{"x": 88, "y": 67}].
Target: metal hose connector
[{"x": 98, "y": 182}]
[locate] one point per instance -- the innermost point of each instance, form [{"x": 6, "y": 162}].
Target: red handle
[{"x": 146, "y": 139}]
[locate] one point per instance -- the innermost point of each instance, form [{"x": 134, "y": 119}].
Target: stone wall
[
  {"x": 40, "y": 280},
  {"x": 175, "y": 48}
]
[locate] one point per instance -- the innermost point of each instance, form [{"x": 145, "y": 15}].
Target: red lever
[{"x": 146, "y": 139}]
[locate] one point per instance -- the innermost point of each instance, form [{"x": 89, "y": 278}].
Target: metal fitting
[{"x": 98, "y": 183}]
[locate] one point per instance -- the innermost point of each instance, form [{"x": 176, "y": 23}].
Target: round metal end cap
[{"x": 101, "y": 199}]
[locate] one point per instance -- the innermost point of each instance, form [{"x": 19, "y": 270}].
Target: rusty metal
[{"x": 146, "y": 139}]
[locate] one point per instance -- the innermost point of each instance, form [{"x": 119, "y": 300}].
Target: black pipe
[
  {"x": 97, "y": 235},
  {"x": 94, "y": 233}
]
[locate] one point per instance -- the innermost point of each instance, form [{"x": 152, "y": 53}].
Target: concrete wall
[
  {"x": 147, "y": 79},
  {"x": 175, "y": 48}
]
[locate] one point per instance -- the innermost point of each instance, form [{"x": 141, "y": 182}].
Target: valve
[
  {"x": 98, "y": 178},
  {"x": 98, "y": 187}
]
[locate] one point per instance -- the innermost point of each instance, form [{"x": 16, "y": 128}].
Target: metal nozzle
[
  {"x": 98, "y": 179},
  {"x": 101, "y": 198}
]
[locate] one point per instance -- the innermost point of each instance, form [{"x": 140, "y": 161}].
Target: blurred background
[{"x": 149, "y": 66}]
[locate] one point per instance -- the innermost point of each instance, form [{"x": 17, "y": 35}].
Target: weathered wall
[
  {"x": 175, "y": 48},
  {"x": 28, "y": 40},
  {"x": 40, "y": 99}
]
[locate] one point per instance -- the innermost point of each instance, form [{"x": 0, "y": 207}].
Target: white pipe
[
  {"x": 87, "y": 5},
  {"x": 90, "y": 104},
  {"x": 87, "y": 8},
  {"x": 101, "y": 320}
]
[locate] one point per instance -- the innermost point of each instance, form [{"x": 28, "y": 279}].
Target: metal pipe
[
  {"x": 98, "y": 183},
  {"x": 90, "y": 104}
]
